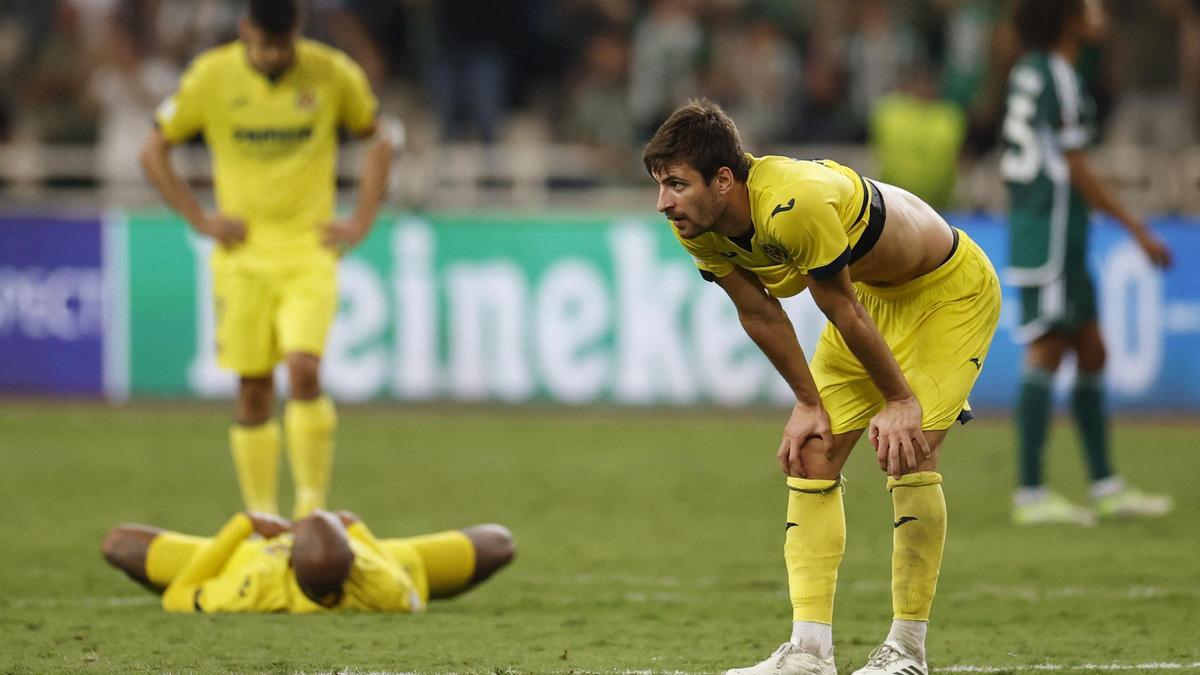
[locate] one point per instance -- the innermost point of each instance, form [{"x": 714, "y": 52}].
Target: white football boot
[
  {"x": 789, "y": 659},
  {"x": 1050, "y": 508},
  {"x": 1130, "y": 502},
  {"x": 890, "y": 660}
]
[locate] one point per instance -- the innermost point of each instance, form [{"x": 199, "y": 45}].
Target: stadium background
[{"x": 520, "y": 269}]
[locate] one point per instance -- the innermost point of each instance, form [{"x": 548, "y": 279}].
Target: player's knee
[
  {"x": 1046, "y": 352},
  {"x": 1093, "y": 358},
  {"x": 124, "y": 549},
  {"x": 304, "y": 375},
  {"x": 255, "y": 397},
  {"x": 494, "y": 549}
]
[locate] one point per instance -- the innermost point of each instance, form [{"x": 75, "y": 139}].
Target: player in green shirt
[{"x": 1048, "y": 126}]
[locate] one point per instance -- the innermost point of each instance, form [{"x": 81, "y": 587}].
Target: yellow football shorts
[
  {"x": 265, "y": 312},
  {"x": 939, "y": 326}
]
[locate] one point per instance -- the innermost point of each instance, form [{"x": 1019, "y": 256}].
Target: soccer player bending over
[
  {"x": 269, "y": 106},
  {"x": 323, "y": 562},
  {"x": 912, "y": 305}
]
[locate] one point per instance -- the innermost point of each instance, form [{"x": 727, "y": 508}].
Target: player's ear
[{"x": 723, "y": 179}]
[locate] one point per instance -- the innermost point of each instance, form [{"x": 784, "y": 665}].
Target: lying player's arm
[
  {"x": 384, "y": 136},
  {"x": 769, "y": 327},
  {"x": 1099, "y": 197},
  {"x": 180, "y": 595},
  {"x": 896, "y": 430},
  {"x": 156, "y": 161}
]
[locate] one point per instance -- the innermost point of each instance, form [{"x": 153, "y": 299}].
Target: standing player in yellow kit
[
  {"x": 269, "y": 106},
  {"x": 912, "y": 304}
]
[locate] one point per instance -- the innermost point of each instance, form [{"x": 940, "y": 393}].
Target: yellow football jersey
[
  {"x": 273, "y": 142},
  {"x": 232, "y": 573},
  {"x": 807, "y": 216}
]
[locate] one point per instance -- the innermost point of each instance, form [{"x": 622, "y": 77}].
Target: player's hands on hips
[
  {"x": 268, "y": 525},
  {"x": 229, "y": 232},
  {"x": 344, "y": 233},
  {"x": 1155, "y": 250},
  {"x": 807, "y": 423},
  {"x": 896, "y": 434}
]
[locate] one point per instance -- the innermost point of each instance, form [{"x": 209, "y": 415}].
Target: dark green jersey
[{"x": 1048, "y": 114}]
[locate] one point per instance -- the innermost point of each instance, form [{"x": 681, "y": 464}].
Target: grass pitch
[{"x": 648, "y": 542}]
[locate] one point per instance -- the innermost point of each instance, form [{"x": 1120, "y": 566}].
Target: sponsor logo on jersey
[
  {"x": 776, "y": 252},
  {"x": 278, "y": 135}
]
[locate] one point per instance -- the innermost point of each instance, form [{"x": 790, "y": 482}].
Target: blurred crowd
[{"x": 604, "y": 73}]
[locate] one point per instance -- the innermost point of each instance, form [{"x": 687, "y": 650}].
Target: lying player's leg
[
  {"x": 149, "y": 555},
  {"x": 457, "y": 560}
]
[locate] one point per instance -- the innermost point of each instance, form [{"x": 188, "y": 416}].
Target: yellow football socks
[
  {"x": 918, "y": 536},
  {"x": 449, "y": 559},
  {"x": 167, "y": 555},
  {"x": 309, "y": 426},
  {"x": 256, "y": 458},
  {"x": 813, "y": 546}
]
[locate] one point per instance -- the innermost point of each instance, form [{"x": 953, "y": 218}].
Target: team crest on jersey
[
  {"x": 776, "y": 252},
  {"x": 306, "y": 100}
]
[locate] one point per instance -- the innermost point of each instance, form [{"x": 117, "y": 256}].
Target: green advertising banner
[{"x": 478, "y": 307}]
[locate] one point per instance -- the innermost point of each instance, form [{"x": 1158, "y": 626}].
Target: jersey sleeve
[
  {"x": 814, "y": 239},
  {"x": 183, "y": 593},
  {"x": 358, "y": 103},
  {"x": 377, "y": 582},
  {"x": 708, "y": 260},
  {"x": 181, "y": 115},
  {"x": 1064, "y": 106}
]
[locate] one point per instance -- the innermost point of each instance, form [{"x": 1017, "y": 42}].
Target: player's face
[
  {"x": 270, "y": 54},
  {"x": 692, "y": 204}
]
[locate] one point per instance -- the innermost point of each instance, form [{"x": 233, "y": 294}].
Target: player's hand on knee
[
  {"x": 229, "y": 232},
  {"x": 897, "y": 436},
  {"x": 808, "y": 424},
  {"x": 268, "y": 525}
]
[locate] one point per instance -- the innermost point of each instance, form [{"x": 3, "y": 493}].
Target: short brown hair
[
  {"x": 1040, "y": 23},
  {"x": 699, "y": 134},
  {"x": 277, "y": 18}
]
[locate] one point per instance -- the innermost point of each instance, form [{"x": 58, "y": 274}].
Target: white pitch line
[
  {"x": 1080, "y": 667},
  {"x": 56, "y": 603}
]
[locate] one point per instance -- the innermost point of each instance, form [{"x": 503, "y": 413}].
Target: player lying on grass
[{"x": 324, "y": 562}]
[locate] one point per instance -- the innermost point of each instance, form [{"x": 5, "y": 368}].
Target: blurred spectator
[
  {"x": 132, "y": 76},
  {"x": 54, "y": 87},
  {"x": 1151, "y": 110},
  {"x": 1189, "y": 56},
  {"x": 472, "y": 71},
  {"x": 597, "y": 101},
  {"x": 916, "y": 138},
  {"x": 826, "y": 115},
  {"x": 24, "y": 29},
  {"x": 764, "y": 98},
  {"x": 667, "y": 45},
  {"x": 977, "y": 51},
  {"x": 342, "y": 24},
  {"x": 876, "y": 52}
]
